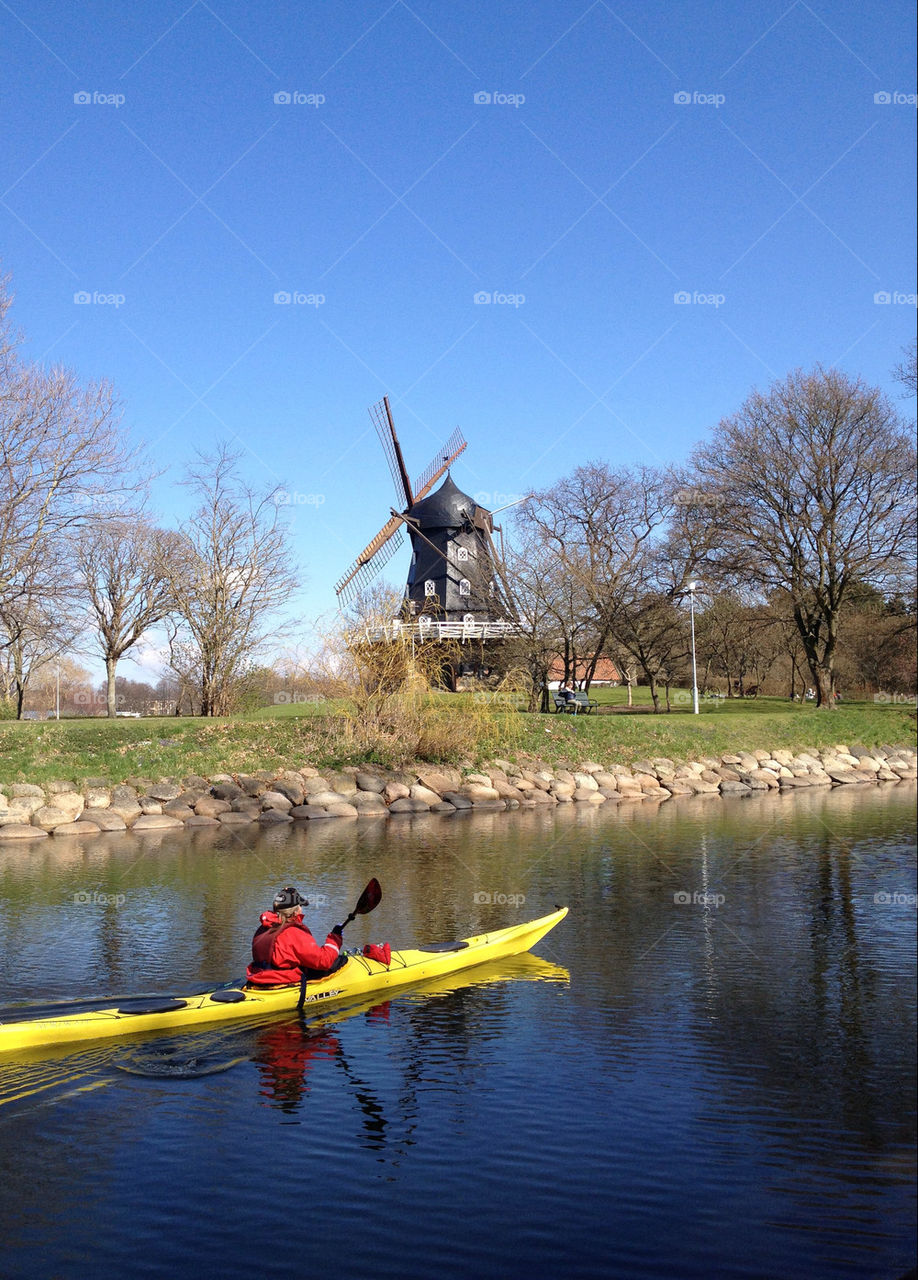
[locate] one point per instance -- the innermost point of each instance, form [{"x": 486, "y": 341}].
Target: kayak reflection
[{"x": 286, "y": 1054}]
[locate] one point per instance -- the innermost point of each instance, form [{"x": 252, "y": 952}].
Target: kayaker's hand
[{"x": 339, "y": 928}]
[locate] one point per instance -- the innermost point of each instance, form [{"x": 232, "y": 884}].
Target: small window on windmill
[
  {"x": 490, "y": 588},
  {"x": 430, "y": 587},
  {"x": 465, "y": 587},
  {"x": 468, "y": 619},
  {"x": 462, "y": 554}
]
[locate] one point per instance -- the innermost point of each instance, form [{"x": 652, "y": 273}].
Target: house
[{"x": 606, "y": 675}]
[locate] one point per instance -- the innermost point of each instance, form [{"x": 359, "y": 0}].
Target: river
[{"x": 708, "y": 1070}]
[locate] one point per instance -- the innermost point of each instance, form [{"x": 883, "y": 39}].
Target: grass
[{"x": 297, "y": 734}]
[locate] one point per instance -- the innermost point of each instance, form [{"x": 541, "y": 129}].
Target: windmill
[{"x": 454, "y": 579}]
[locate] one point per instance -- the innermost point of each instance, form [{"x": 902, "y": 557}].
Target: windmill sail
[
  {"x": 439, "y": 465},
  {"x": 370, "y": 561},
  {"x": 381, "y": 415}
]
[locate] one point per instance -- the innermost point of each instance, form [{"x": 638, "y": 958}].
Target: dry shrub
[{"x": 396, "y": 712}]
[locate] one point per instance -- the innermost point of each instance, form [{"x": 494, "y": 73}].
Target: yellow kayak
[{"x": 356, "y": 980}]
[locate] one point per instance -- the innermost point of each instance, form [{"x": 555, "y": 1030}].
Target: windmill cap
[{"x": 446, "y": 508}]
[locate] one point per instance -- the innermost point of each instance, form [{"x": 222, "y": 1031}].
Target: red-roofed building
[{"x": 606, "y": 673}]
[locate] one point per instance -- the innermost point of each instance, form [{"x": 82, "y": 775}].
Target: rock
[
  {"x": 541, "y": 797},
  {"x": 126, "y": 810},
  {"x": 456, "y": 800},
  {"x": 429, "y": 797},
  {"x": 368, "y": 800},
  {"x": 76, "y": 829},
  {"x": 343, "y": 810},
  {"x": 226, "y": 791},
  {"x": 678, "y": 787},
  {"x": 324, "y": 798},
  {"x": 585, "y": 781},
  {"x": 234, "y": 818},
  {"x": 97, "y": 797},
  {"x": 442, "y": 806},
  {"x": 406, "y": 804},
  {"x": 57, "y": 787},
  {"x": 269, "y": 817},
  {"x": 343, "y": 784},
  {"x": 312, "y": 786},
  {"x": 728, "y": 774},
  {"x": 246, "y": 804},
  {"x": 252, "y": 786},
  {"x": 309, "y": 812},
  {"x": 210, "y": 807},
  {"x": 104, "y": 820},
  {"x": 22, "y": 790},
  {"x": 731, "y": 787},
  {"x": 295, "y": 792},
  {"x": 49, "y": 816},
  {"x": 149, "y": 806},
  {"x": 507, "y": 791},
  {"x": 396, "y": 791},
  {"x": 194, "y": 782},
  {"x": 157, "y": 822},
  {"x": 22, "y": 831},
  {"x": 610, "y": 793},
  {"x": 199, "y": 820},
  {"x": 643, "y": 766},
  {"x": 560, "y": 790},
  {"x": 478, "y": 791},
  {"x": 730, "y": 760},
  {"x": 275, "y": 800},
  {"x": 440, "y": 779},
  {"x": 372, "y": 782},
  {"x": 165, "y": 791},
  {"x": 701, "y": 786},
  {"x": 647, "y": 781},
  {"x": 180, "y": 808},
  {"x": 21, "y": 808}
]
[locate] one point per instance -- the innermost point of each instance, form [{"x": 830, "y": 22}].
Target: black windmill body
[{"x": 454, "y": 574}]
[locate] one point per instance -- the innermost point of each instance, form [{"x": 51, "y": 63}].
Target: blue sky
[{"x": 588, "y": 164}]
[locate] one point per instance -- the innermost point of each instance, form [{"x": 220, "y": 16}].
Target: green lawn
[{"x": 296, "y": 734}]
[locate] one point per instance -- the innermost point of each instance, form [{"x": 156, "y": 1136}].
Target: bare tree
[
  {"x": 34, "y": 631},
  {"x": 121, "y": 564},
  {"x": 229, "y": 573},
  {"x": 815, "y": 492},
  {"x": 906, "y": 371},
  {"x": 60, "y": 450}
]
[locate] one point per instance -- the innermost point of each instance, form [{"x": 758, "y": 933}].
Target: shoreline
[{"x": 144, "y": 805}]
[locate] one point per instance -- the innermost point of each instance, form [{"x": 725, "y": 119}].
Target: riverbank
[
  {"x": 471, "y": 728},
  {"x": 61, "y": 807}
]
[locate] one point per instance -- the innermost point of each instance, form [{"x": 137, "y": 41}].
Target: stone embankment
[{"x": 61, "y": 808}]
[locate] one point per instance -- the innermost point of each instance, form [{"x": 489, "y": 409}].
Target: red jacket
[{"x": 287, "y": 951}]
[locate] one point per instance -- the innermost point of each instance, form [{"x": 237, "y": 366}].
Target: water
[{"x": 708, "y": 1069}]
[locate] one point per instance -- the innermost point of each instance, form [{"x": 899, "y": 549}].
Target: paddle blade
[{"x": 370, "y": 899}]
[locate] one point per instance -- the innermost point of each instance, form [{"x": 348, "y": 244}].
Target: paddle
[{"x": 368, "y": 901}]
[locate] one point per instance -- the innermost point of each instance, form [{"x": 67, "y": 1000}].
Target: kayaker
[{"x": 283, "y": 949}]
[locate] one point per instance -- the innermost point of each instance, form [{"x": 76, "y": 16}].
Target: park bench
[{"x": 582, "y": 702}]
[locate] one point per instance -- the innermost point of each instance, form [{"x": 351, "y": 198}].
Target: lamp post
[
  {"x": 58, "y": 697},
  {"x": 691, "y": 591}
]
